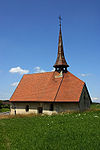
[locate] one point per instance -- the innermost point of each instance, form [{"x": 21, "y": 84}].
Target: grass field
[{"x": 70, "y": 131}]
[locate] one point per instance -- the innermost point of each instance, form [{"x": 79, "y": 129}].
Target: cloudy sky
[{"x": 29, "y": 32}]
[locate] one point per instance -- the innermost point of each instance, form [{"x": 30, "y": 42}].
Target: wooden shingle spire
[{"x": 61, "y": 64}]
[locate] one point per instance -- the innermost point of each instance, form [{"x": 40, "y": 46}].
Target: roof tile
[{"x": 46, "y": 87}]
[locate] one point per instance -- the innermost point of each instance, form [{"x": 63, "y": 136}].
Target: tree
[{"x": 0, "y": 104}]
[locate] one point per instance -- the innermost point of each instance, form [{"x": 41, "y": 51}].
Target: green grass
[
  {"x": 73, "y": 131},
  {"x": 4, "y": 109}
]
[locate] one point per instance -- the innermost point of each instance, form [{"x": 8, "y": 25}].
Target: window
[
  {"x": 40, "y": 110},
  {"x": 51, "y": 107},
  {"x": 27, "y": 108}
]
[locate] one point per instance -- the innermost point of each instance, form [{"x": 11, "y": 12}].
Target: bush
[{"x": 0, "y": 104}]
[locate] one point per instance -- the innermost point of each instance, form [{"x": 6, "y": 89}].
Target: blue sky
[{"x": 29, "y": 32}]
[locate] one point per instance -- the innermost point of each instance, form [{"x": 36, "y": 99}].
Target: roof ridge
[{"x": 58, "y": 88}]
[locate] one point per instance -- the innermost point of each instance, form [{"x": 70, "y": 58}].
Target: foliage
[
  {"x": 4, "y": 110},
  {"x": 4, "y": 106},
  {"x": 70, "y": 131},
  {"x": 95, "y": 106},
  {"x": 0, "y": 104}
]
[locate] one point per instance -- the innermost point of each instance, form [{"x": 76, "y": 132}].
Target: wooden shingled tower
[{"x": 61, "y": 64}]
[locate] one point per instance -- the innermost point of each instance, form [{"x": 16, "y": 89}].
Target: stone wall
[
  {"x": 20, "y": 108},
  {"x": 62, "y": 107}
]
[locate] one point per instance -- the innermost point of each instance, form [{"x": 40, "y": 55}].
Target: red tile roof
[{"x": 48, "y": 87}]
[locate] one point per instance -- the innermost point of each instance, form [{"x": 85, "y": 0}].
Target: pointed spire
[{"x": 61, "y": 64}]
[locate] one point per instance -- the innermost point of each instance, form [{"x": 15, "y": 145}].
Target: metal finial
[{"x": 60, "y": 20}]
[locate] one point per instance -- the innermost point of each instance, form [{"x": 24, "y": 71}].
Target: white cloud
[
  {"x": 95, "y": 99},
  {"x": 18, "y": 70},
  {"x": 14, "y": 84},
  {"x": 84, "y": 74},
  {"x": 53, "y": 69},
  {"x": 38, "y": 70}
]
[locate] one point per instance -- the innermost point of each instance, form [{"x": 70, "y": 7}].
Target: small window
[
  {"x": 51, "y": 107},
  {"x": 27, "y": 108},
  {"x": 40, "y": 110}
]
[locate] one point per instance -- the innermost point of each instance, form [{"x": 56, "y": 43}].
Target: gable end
[{"x": 85, "y": 100}]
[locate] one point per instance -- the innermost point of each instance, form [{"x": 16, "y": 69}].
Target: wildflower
[{"x": 96, "y": 116}]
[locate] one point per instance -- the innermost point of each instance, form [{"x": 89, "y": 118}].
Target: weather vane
[{"x": 60, "y": 20}]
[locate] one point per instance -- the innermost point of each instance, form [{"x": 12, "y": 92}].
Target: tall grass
[{"x": 70, "y": 131}]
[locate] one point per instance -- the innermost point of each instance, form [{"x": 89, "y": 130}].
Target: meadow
[{"x": 69, "y": 131}]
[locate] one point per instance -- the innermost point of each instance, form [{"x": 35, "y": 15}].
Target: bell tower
[{"x": 61, "y": 64}]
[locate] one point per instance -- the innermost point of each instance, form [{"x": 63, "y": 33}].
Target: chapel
[{"x": 51, "y": 92}]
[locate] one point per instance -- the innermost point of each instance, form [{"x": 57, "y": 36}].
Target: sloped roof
[{"x": 48, "y": 87}]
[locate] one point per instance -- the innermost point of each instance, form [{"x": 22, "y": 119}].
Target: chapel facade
[{"x": 51, "y": 92}]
